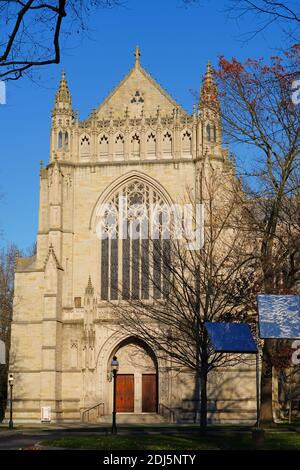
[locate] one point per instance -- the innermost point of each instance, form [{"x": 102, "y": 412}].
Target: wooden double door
[{"x": 125, "y": 393}]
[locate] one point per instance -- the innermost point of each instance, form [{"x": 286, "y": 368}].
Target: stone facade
[{"x": 64, "y": 333}]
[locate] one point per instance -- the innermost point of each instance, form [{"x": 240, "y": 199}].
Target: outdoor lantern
[
  {"x": 11, "y": 382},
  {"x": 114, "y": 364},
  {"x": 114, "y": 370}
]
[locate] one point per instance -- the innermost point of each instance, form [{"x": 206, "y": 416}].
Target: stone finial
[
  {"x": 209, "y": 90},
  {"x": 137, "y": 55},
  {"x": 208, "y": 68},
  {"x": 63, "y": 94},
  {"x": 17, "y": 257},
  {"x": 89, "y": 290}
]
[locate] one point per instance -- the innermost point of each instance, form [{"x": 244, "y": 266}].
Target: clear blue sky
[{"x": 175, "y": 42}]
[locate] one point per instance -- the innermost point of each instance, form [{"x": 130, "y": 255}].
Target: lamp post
[
  {"x": 11, "y": 384},
  {"x": 114, "y": 370}
]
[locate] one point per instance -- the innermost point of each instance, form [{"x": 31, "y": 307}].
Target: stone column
[
  {"x": 138, "y": 392},
  {"x": 50, "y": 377}
]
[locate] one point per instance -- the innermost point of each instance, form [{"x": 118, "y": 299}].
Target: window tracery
[{"x": 134, "y": 253}]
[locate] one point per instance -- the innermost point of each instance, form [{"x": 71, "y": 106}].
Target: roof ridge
[{"x": 149, "y": 77}]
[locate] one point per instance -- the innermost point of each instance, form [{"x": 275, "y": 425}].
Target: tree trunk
[
  {"x": 266, "y": 405},
  {"x": 203, "y": 396}
]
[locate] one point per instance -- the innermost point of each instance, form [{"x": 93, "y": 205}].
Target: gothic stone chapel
[{"x": 140, "y": 143}]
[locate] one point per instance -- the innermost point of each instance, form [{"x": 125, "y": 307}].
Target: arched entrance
[{"x": 137, "y": 378}]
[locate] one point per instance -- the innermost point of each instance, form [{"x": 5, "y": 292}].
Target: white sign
[{"x": 46, "y": 414}]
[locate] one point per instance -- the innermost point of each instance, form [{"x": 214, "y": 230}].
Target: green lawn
[
  {"x": 289, "y": 441},
  {"x": 286, "y": 424}
]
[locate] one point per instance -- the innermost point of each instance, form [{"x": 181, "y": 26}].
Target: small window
[
  {"x": 135, "y": 145},
  {"x": 208, "y": 132},
  {"x": 137, "y": 98},
  {"x": 84, "y": 146},
  {"x": 119, "y": 145},
  {"x": 186, "y": 143},
  {"x": 77, "y": 302},
  {"x": 103, "y": 146},
  {"x": 59, "y": 140},
  {"x": 151, "y": 144},
  {"x": 66, "y": 139},
  {"x": 167, "y": 144}
]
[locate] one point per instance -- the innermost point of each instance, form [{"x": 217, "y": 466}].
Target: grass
[
  {"x": 293, "y": 424},
  {"x": 223, "y": 441}
]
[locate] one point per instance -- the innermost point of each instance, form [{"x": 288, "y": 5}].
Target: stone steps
[
  {"x": 133, "y": 418},
  {"x": 215, "y": 417}
]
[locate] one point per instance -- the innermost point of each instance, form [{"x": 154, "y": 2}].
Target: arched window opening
[
  {"x": 135, "y": 146},
  {"x": 208, "y": 132},
  {"x": 136, "y": 264},
  {"x": 103, "y": 146},
  {"x": 167, "y": 144},
  {"x": 84, "y": 146},
  {"x": 215, "y": 134},
  {"x": 187, "y": 143},
  {"x": 66, "y": 140},
  {"x": 119, "y": 146},
  {"x": 151, "y": 145},
  {"x": 59, "y": 140}
]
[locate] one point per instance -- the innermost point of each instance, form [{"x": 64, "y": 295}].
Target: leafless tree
[
  {"x": 32, "y": 31},
  {"x": 289, "y": 392},
  {"x": 212, "y": 283},
  {"x": 267, "y": 12},
  {"x": 8, "y": 257}
]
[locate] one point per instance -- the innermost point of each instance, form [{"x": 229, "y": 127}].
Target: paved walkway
[{"x": 25, "y": 437}]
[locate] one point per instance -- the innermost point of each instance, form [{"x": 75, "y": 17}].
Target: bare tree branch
[
  {"x": 268, "y": 12},
  {"x": 32, "y": 31},
  {"x": 215, "y": 283}
]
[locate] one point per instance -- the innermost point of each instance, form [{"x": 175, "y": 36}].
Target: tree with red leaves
[{"x": 258, "y": 112}]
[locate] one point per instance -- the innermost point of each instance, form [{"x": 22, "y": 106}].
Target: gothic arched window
[
  {"x": 215, "y": 134},
  {"x": 119, "y": 146},
  {"x": 84, "y": 146},
  {"x": 167, "y": 144},
  {"x": 151, "y": 145},
  {"x": 135, "y": 253},
  {"x": 66, "y": 139},
  {"x": 186, "y": 143},
  {"x": 135, "y": 145},
  {"x": 59, "y": 140},
  {"x": 208, "y": 132},
  {"x": 103, "y": 146}
]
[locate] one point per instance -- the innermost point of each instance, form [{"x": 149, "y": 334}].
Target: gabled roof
[
  {"x": 139, "y": 84},
  {"x": 51, "y": 254}
]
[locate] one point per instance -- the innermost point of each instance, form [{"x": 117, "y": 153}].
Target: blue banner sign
[
  {"x": 231, "y": 337},
  {"x": 279, "y": 316}
]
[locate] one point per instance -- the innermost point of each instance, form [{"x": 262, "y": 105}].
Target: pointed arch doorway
[{"x": 137, "y": 378}]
